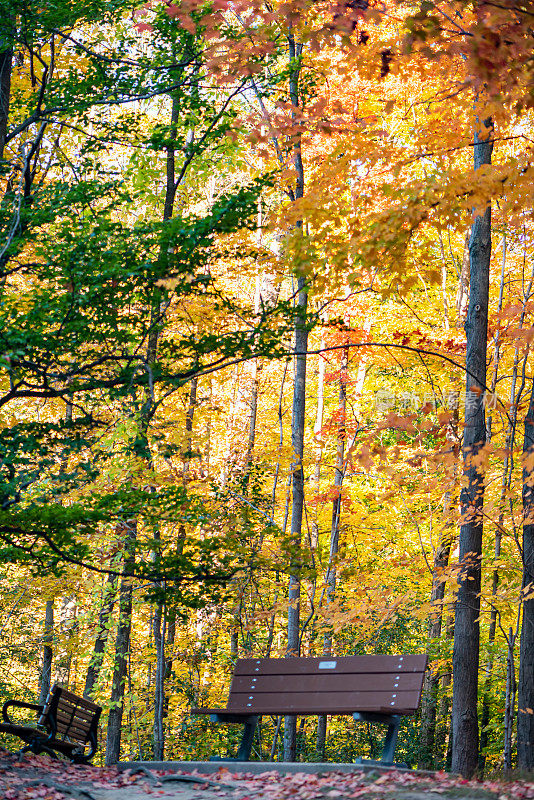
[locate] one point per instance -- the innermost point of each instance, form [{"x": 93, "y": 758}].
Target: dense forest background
[{"x": 266, "y": 382}]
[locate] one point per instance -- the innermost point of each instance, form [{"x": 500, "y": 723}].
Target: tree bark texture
[
  {"x": 122, "y": 648},
  {"x": 467, "y": 628},
  {"x": 525, "y": 694}
]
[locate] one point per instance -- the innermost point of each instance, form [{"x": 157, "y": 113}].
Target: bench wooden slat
[
  {"x": 68, "y": 716},
  {"x": 68, "y": 708},
  {"x": 66, "y": 705},
  {"x": 335, "y": 682},
  {"x": 72, "y": 730},
  {"x": 327, "y": 702},
  {"x": 343, "y": 664},
  {"x": 80, "y": 702}
]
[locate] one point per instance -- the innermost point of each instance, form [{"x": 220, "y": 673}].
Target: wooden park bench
[
  {"x": 65, "y": 724},
  {"x": 370, "y": 688}
]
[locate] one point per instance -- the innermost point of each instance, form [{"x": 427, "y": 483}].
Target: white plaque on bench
[{"x": 327, "y": 664}]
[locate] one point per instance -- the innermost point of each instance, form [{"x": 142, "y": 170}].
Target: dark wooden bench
[
  {"x": 65, "y": 724},
  {"x": 370, "y": 688}
]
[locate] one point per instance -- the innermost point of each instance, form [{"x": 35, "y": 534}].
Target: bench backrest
[
  {"x": 383, "y": 684},
  {"x": 75, "y": 717}
]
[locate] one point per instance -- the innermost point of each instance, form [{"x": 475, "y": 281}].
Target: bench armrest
[{"x": 18, "y": 704}]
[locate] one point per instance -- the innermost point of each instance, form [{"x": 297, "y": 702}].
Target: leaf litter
[{"x": 41, "y": 778}]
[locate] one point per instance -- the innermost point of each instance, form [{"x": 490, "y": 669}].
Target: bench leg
[
  {"x": 391, "y": 739},
  {"x": 249, "y": 728},
  {"x": 388, "y": 751},
  {"x": 243, "y": 754}
]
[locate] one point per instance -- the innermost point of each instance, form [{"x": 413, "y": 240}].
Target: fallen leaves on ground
[{"x": 40, "y": 778}]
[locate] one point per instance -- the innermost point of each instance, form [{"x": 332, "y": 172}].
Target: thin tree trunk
[
  {"x": 509, "y": 707},
  {"x": 467, "y": 626},
  {"x": 317, "y": 428},
  {"x": 48, "y": 638},
  {"x": 443, "y": 742},
  {"x": 95, "y": 663},
  {"x": 159, "y": 678},
  {"x": 122, "y": 648},
  {"x": 331, "y": 573},
  {"x": 297, "y": 505},
  {"x": 432, "y": 678},
  {"x": 525, "y": 695},
  {"x": 189, "y": 417},
  {"x": 297, "y": 418},
  {"x": 158, "y": 306},
  {"x": 171, "y": 635}
]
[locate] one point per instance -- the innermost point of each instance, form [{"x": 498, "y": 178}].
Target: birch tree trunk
[{"x": 467, "y": 626}]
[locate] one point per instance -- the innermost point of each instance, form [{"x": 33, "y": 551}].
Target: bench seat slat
[
  {"x": 335, "y": 682},
  {"x": 326, "y": 702},
  {"x": 344, "y": 664}
]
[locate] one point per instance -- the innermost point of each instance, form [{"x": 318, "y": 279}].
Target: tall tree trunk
[
  {"x": 298, "y": 414},
  {"x": 525, "y": 695},
  {"x": 467, "y": 627},
  {"x": 158, "y": 307},
  {"x": 509, "y": 705},
  {"x": 331, "y": 573},
  {"x": 102, "y": 631},
  {"x": 48, "y": 636},
  {"x": 122, "y": 648},
  {"x": 159, "y": 627},
  {"x": 297, "y": 505},
  {"x": 485, "y": 712}
]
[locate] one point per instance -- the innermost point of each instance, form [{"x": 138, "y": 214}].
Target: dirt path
[{"x": 40, "y": 778}]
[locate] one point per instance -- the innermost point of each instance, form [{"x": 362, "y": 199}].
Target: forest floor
[{"x": 40, "y": 778}]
